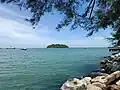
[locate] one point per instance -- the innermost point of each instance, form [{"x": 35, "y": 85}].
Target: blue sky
[{"x": 15, "y": 31}]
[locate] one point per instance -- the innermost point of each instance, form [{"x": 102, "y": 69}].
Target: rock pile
[
  {"x": 110, "y": 64},
  {"x": 109, "y": 82},
  {"x": 107, "y": 78}
]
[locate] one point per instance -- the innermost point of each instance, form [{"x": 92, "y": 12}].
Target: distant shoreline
[{"x": 58, "y": 48}]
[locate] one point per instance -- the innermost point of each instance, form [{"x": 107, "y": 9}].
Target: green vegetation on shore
[{"x": 57, "y": 46}]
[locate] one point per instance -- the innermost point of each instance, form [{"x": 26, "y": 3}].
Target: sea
[{"x": 46, "y": 68}]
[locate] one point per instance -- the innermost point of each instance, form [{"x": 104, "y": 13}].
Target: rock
[
  {"x": 117, "y": 74},
  {"x": 100, "y": 79},
  {"x": 113, "y": 87},
  {"x": 110, "y": 66},
  {"x": 104, "y": 61},
  {"x": 118, "y": 59},
  {"x": 112, "y": 56},
  {"x": 118, "y": 82},
  {"x": 112, "y": 77},
  {"x": 86, "y": 80},
  {"x": 95, "y": 74},
  {"x": 115, "y": 67},
  {"x": 106, "y": 65},
  {"x": 103, "y": 79},
  {"x": 98, "y": 84},
  {"x": 73, "y": 85},
  {"x": 76, "y": 84},
  {"x": 119, "y": 54},
  {"x": 109, "y": 58},
  {"x": 93, "y": 87},
  {"x": 106, "y": 79},
  {"x": 116, "y": 55},
  {"x": 102, "y": 70}
]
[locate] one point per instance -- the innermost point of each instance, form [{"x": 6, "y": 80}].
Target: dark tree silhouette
[{"x": 98, "y": 14}]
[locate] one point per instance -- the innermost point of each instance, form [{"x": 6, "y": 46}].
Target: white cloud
[
  {"x": 22, "y": 35},
  {"x": 11, "y": 11},
  {"x": 16, "y": 33}
]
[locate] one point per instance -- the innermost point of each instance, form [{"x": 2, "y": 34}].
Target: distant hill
[{"x": 57, "y": 46}]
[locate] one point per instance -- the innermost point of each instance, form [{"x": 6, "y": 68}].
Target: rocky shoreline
[{"x": 106, "y": 78}]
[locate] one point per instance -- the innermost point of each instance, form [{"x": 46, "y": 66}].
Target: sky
[{"x": 15, "y": 31}]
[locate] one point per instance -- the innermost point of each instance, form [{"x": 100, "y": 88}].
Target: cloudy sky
[{"x": 15, "y": 31}]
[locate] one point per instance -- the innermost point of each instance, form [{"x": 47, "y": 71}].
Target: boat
[
  {"x": 11, "y": 47},
  {"x": 24, "y": 49}
]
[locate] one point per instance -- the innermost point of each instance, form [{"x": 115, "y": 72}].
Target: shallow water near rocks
[{"x": 46, "y": 69}]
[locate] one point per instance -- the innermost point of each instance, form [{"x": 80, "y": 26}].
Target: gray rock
[
  {"x": 118, "y": 59},
  {"x": 95, "y": 74}
]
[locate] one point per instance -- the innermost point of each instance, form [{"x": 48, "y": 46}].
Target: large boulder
[
  {"x": 101, "y": 85},
  {"x": 86, "y": 80},
  {"x": 93, "y": 87},
  {"x": 113, "y": 87},
  {"x": 76, "y": 84},
  {"x": 106, "y": 65},
  {"x": 107, "y": 79},
  {"x": 116, "y": 55},
  {"x": 118, "y": 82},
  {"x": 117, "y": 74},
  {"x": 112, "y": 77},
  {"x": 103, "y": 63},
  {"x": 118, "y": 59},
  {"x": 100, "y": 79},
  {"x": 115, "y": 66}
]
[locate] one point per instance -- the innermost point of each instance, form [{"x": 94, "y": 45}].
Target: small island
[{"x": 57, "y": 46}]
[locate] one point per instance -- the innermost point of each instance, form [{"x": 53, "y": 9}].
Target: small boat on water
[
  {"x": 11, "y": 47},
  {"x": 24, "y": 49}
]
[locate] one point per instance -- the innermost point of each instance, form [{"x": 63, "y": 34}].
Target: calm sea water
[{"x": 46, "y": 69}]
